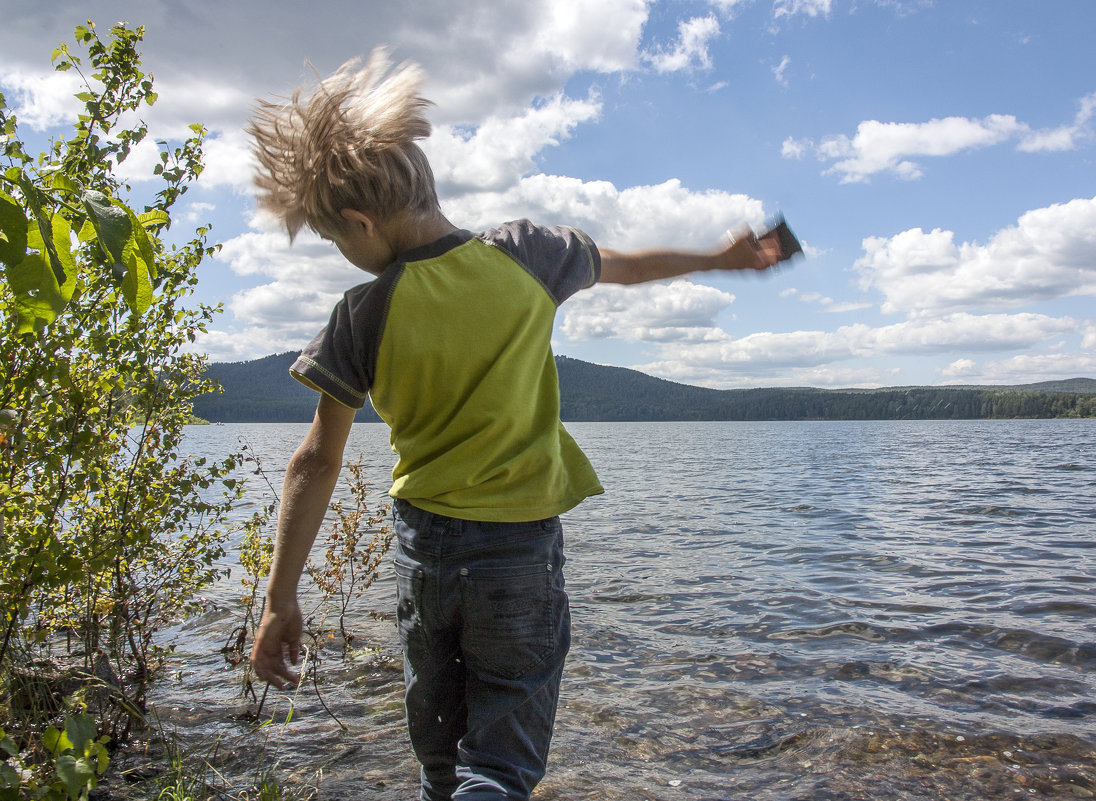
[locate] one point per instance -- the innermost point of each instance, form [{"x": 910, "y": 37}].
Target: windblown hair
[{"x": 350, "y": 144}]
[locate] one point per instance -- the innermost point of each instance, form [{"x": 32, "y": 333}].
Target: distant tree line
[{"x": 263, "y": 391}]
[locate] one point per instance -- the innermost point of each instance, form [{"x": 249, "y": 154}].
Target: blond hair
[{"x": 350, "y": 144}]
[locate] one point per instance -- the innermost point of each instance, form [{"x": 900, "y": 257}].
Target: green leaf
[
  {"x": 56, "y": 741},
  {"x": 39, "y": 298},
  {"x": 80, "y": 730},
  {"x": 156, "y": 218},
  {"x": 65, "y": 184},
  {"x": 25, "y": 278},
  {"x": 111, "y": 223},
  {"x": 136, "y": 286},
  {"x": 36, "y": 203},
  {"x": 142, "y": 244},
  {"x": 13, "y": 230},
  {"x": 61, "y": 234},
  {"x": 77, "y": 774},
  {"x": 87, "y": 231},
  {"x": 102, "y": 756},
  {"x": 34, "y": 309}
]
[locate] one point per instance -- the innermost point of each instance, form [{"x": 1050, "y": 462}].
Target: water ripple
[{"x": 781, "y": 611}]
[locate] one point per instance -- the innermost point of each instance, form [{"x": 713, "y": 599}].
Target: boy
[{"x": 451, "y": 343}]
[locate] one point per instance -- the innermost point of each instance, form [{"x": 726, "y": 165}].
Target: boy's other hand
[{"x": 278, "y": 637}]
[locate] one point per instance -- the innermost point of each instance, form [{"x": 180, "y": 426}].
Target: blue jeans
[{"x": 485, "y": 627}]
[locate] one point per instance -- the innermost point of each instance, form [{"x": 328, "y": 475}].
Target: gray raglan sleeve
[
  {"x": 340, "y": 361},
  {"x": 562, "y": 258}
]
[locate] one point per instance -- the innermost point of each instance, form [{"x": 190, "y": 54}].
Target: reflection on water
[{"x": 761, "y": 611}]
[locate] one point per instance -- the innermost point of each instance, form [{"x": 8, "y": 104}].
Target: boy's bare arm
[
  {"x": 309, "y": 481},
  {"x": 745, "y": 252}
]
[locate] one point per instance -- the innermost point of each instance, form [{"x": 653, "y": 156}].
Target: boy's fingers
[
  {"x": 268, "y": 657},
  {"x": 770, "y": 249},
  {"x": 276, "y": 672}
]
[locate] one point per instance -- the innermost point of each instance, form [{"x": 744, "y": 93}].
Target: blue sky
[{"x": 936, "y": 158}]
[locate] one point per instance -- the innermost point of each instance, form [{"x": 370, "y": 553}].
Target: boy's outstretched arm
[
  {"x": 309, "y": 481},
  {"x": 744, "y": 252}
]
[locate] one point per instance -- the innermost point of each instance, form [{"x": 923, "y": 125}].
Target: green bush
[{"x": 107, "y": 532}]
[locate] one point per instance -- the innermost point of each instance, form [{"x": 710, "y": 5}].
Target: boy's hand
[
  {"x": 279, "y": 635},
  {"x": 749, "y": 252}
]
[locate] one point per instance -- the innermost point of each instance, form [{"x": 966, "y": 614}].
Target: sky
[{"x": 936, "y": 157}]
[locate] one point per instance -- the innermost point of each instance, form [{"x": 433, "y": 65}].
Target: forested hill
[{"x": 262, "y": 391}]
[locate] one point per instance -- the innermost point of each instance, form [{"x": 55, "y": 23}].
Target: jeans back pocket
[{"x": 512, "y": 617}]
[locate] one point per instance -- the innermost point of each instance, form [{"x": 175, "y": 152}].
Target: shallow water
[{"x": 894, "y": 610}]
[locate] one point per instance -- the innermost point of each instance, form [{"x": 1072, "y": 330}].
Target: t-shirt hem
[
  {"x": 314, "y": 376},
  {"x": 495, "y": 514}
]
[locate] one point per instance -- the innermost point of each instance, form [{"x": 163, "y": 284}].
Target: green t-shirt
[{"x": 452, "y": 345}]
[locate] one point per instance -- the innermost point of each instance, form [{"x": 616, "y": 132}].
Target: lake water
[{"x": 883, "y": 610}]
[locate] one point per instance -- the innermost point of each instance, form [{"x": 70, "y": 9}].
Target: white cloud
[
  {"x": 237, "y": 345},
  {"x": 545, "y": 41},
  {"x": 601, "y": 36},
  {"x": 1066, "y": 137},
  {"x": 502, "y": 149},
  {"x": 795, "y": 148},
  {"x": 197, "y": 213},
  {"x": 990, "y": 332},
  {"x": 296, "y": 288},
  {"x": 1049, "y": 253},
  {"x": 309, "y": 260},
  {"x": 42, "y": 100},
  {"x": 690, "y": 51},
  {"x": 891, "y": 147},
  {"x": 719, "y": 359},
  {"x": 305, "y": 281},
  {"x": 810, "y": 8},
  {"x": 138, "y": 166},
  {"x": 846, "y": 307},
  {"x": 780, "y": 70},
  {"x": 674, "y": 312},
  {"x": 727, "y": 7},
  {"x": 826, "y": 303},
  {"x": 904, "y": 8},
  {"x": 474, "y": 72},
  {"x": 985, "y": 332},
  {"x": 665, "y": 214},
  {"x": 887, "y": 146},
  {"x": 185, "y": 100},
  {"x": 1027, "y": 368},
  {"x": 761, "y": 375},
  {"x": 493, "y": 86},
  {"x": 959, "y": 368},
  {"x": 228, "y": 161}
]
